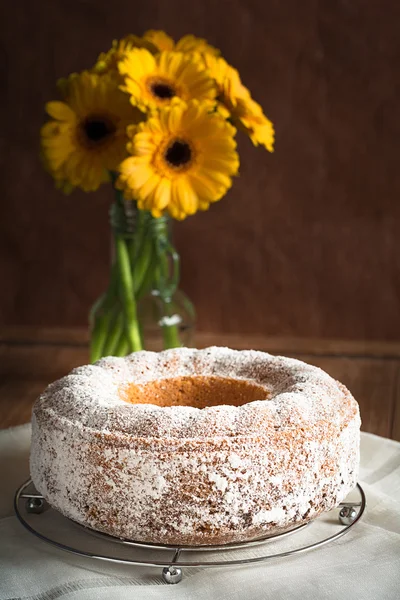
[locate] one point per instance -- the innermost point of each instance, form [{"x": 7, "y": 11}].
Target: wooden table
[{"x": 32, "y": 358}]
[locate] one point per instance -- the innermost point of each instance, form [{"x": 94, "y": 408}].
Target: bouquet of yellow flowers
[{"x": 158, "y": 120}]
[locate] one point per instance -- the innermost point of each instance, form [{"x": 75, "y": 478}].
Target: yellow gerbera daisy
[
  {"x": 191, "y": 43},
  {"x": 61, "y": 184},
  {"x": 228, "y": 80},
  {"x": 188, "y": 43},
  {"x": 153, "y": 81},
  {"x": 160, "y": 39},
  {"x": 86, "y": 138},
  {"x": 236, "y": 102},
  {"x": 249, "y": 117},
  {"x": 108, "y": 61},
  {"x": 183, "y": 159}
]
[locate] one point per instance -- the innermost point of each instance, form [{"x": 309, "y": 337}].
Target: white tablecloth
[{"x": 363, "y": 565}]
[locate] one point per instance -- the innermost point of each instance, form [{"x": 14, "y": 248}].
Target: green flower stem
[
  {"x": 108, "y": 331},
  {"x": 170, "y": 333},
  {"x": 142, "y": 266},
  {"x": 136, "y": 243},
  {"x": 144, "y": 275},
  {"x": 98, "y": 337},
  {"x": 101, "y": 320},
  {"x": 122, "y": 348},
  {"x": 116, "y": 330},
  {"x": 127, "y": 295}
]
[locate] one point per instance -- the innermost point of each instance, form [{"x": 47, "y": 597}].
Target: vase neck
[
  {"x": 145, "y": 242},
  {"x": 126, "y": 220}
]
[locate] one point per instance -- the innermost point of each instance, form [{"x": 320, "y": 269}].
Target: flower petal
[{"x": 60, "y": 111}]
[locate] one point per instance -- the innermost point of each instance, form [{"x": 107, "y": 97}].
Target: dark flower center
[
  {"x": 162, "y": 90},
  {"x": 178, "y": 154},
  {"x": 97, "y": 129}
]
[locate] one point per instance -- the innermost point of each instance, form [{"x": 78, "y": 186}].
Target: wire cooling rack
[{"x": 51, "y": 527}]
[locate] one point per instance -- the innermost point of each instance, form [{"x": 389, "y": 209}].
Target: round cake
[{"x": 195, "y": 447}]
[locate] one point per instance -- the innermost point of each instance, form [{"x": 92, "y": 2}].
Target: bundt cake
[{"x": 193, "y": 446}]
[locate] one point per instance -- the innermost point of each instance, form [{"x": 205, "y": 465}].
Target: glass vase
[{"x": 142, "y": 308}]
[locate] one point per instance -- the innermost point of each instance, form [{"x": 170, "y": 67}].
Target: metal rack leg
[
  {"x": 348, "y": 514},
  {"x": 172, "y": 574},
  {"x": 35, "y": 503}
]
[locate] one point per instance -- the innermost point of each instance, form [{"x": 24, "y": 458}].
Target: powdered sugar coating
[{"x": 187, "y": 475}]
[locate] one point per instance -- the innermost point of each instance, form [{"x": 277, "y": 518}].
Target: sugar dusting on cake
[{"x": 187, "y": 475}]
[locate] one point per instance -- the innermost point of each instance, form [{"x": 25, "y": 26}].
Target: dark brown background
[
  {"x": 306, "y": 242},
  {"x": 303, "y": 249}
]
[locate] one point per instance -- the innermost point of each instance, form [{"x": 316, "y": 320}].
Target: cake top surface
[{"x": 292, "y": 394}]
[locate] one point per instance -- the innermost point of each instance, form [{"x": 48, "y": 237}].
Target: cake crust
[{"x": 185, "y": 475}]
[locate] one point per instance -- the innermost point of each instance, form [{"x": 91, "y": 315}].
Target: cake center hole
[{"x": 197, "y": 391}]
